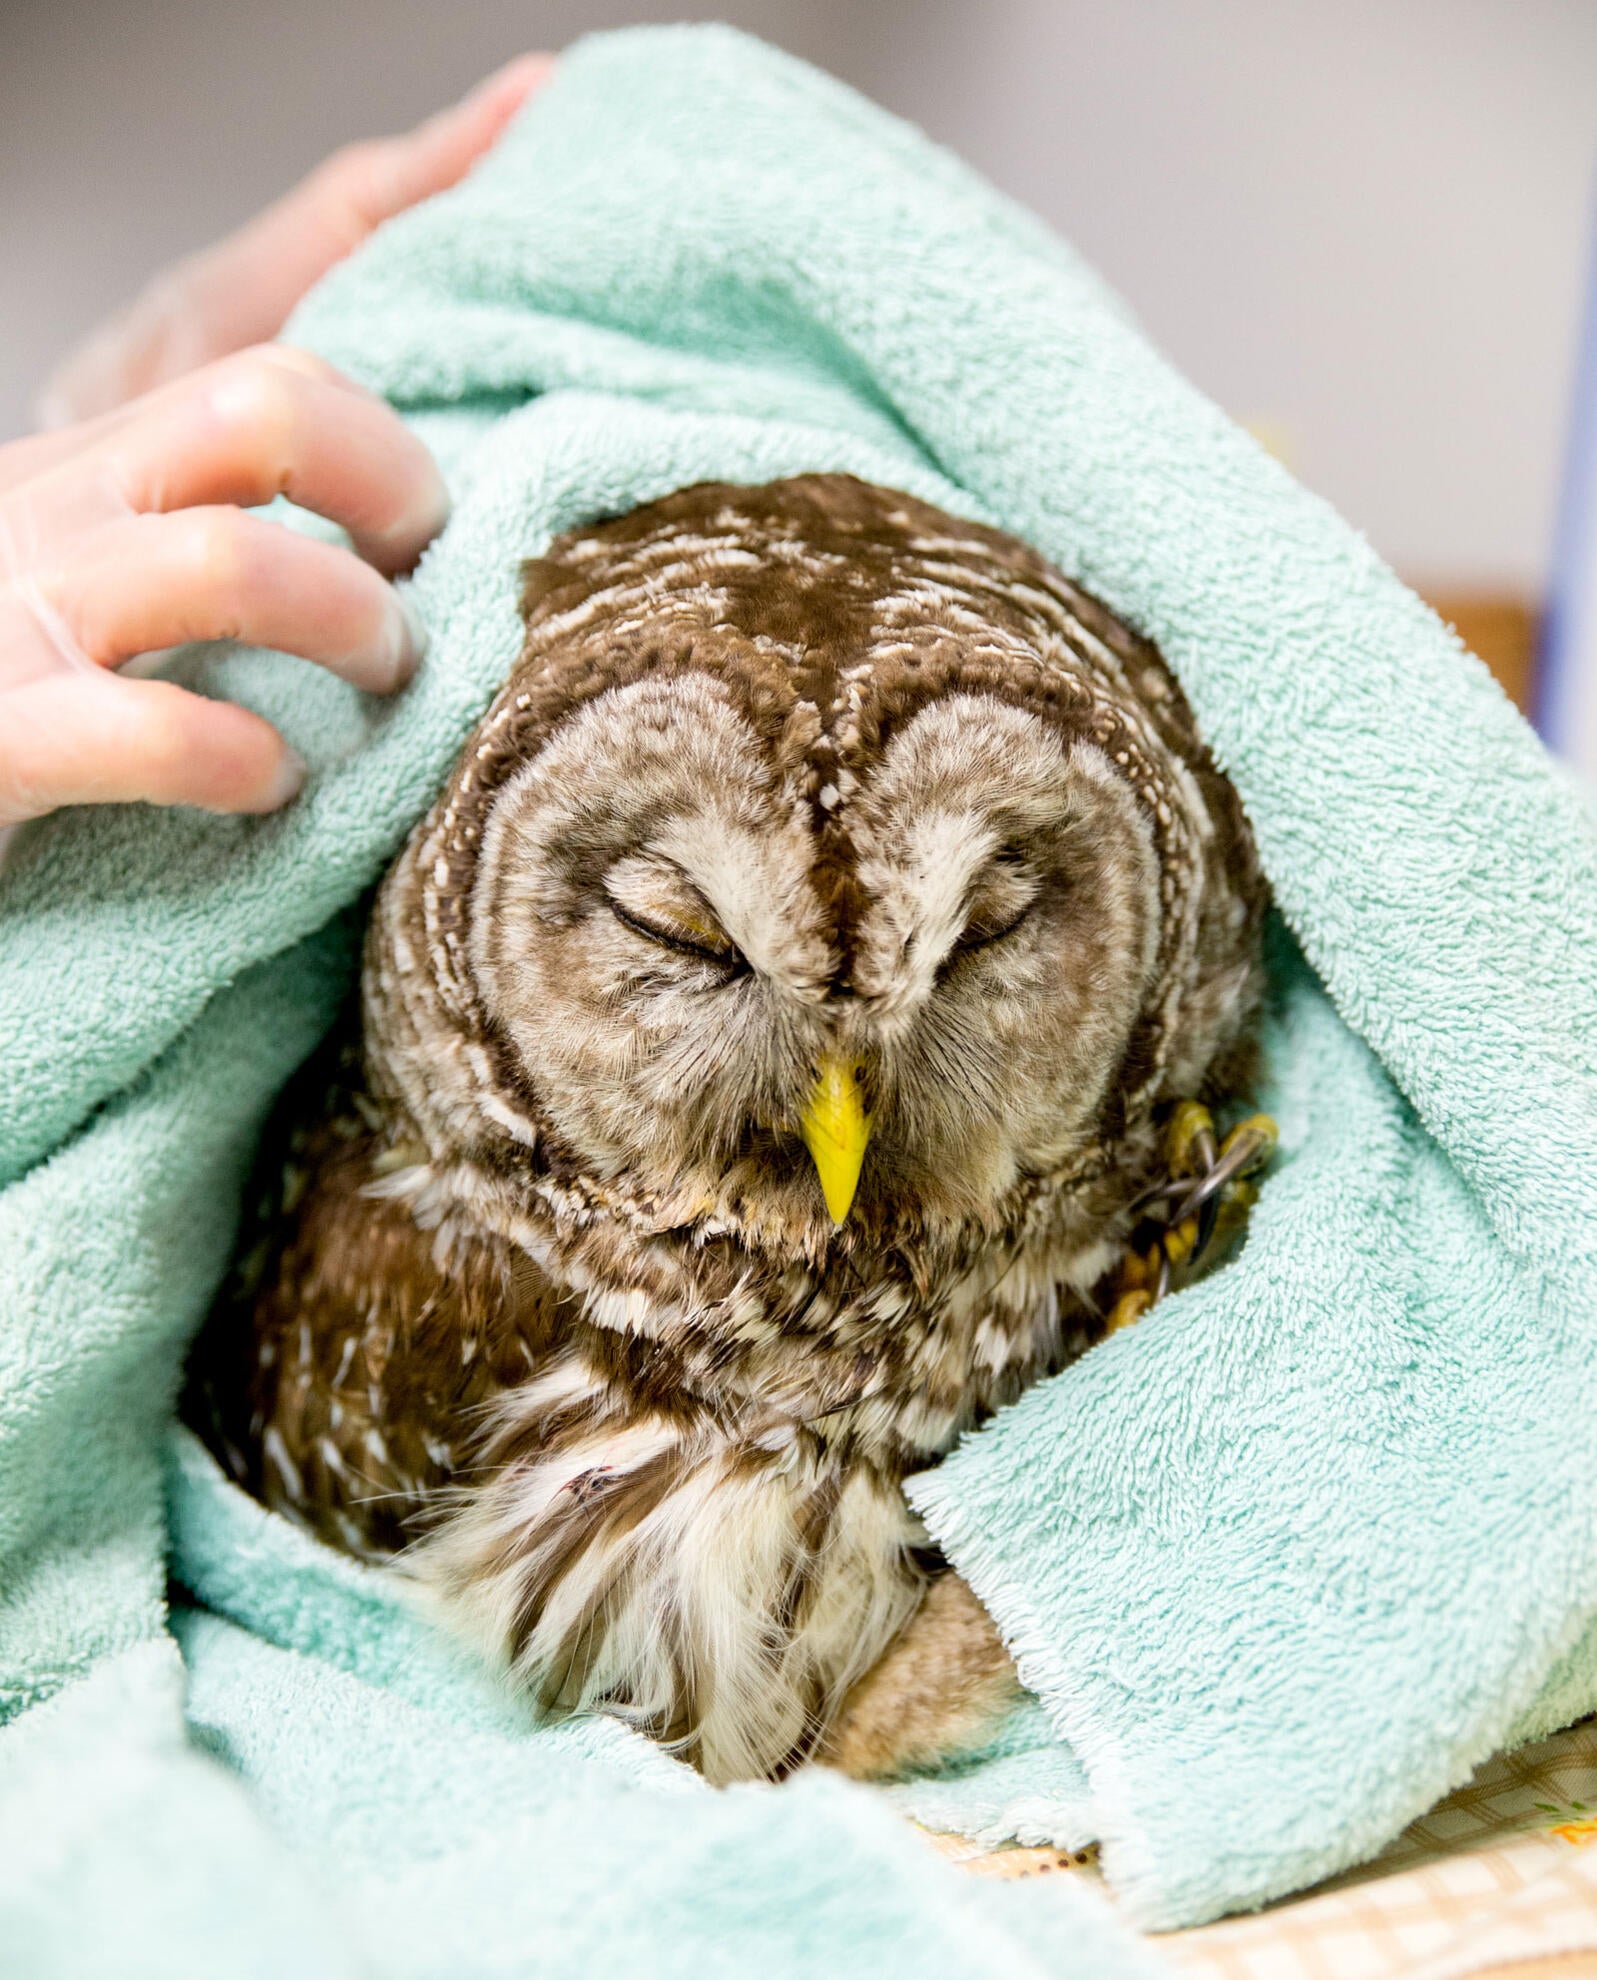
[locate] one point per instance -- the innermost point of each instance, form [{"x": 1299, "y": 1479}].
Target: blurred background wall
[{"x": 1359, "y": 224}]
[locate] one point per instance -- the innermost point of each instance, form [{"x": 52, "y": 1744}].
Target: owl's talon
[
  {"x": 1190, "y": 1122},
  {"x": 1261, "y": 1135},
  {"x": 1181, "y": 1241},
  {"x": 1208, "y": 1221},
  {"x": 1194, "y": 1208}
]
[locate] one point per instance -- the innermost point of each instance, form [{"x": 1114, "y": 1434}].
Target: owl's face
[
  {"x": 659, "y": 931},
  {"x": 829, "y": 874}
]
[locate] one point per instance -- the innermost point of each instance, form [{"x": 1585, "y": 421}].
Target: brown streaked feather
[{"x": 344, "y": 1373}]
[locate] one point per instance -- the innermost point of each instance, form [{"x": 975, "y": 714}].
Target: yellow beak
[{"x": 835, "y": 1129}]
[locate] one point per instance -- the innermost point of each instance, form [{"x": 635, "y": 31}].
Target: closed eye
[
  {"x": 983, "y": 930},
  {"x": 706, "y": 948},
  {"x": 1000, "y": 903}
]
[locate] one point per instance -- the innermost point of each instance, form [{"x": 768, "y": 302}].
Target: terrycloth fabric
[
  {"x": 329, "y": 1794},
  {"x": 1281, "y": 1564}
]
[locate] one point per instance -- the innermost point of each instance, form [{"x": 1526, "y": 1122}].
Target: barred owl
[{"x": 762, "y": 1051}]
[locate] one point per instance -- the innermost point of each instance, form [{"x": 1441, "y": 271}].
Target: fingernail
[
  {"x": 407, "y": 641},
  {"x": 428, "y": 514},
  {"x": 287, "y": 783}
]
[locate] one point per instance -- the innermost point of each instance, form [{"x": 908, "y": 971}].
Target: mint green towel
[{"x": 1281, "y": 1565}]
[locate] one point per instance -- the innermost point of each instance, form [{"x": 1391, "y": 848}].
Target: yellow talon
[
  {"x": 1189, "y": 1121},
  {"x": 836, "y": 1128}
]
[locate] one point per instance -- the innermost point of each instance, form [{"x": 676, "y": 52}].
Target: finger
[
  {"x": 183, "y": 319},
  {"x": 153, "y": 581},
  {"x": 21, "y": 460},
  {"x": 241, "y": 291},
  {"x": 99, "y": 739},
  {"x": 360, "y": 187},
  {"x": 276, "y": 422},
  {"x": 36, "y": 453}
]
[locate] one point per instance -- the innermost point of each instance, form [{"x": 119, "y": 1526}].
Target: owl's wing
[{"x": 344, "y": 1371}]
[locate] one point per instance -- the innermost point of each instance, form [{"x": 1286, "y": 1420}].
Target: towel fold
[{"x": 1280, "y": 1565}]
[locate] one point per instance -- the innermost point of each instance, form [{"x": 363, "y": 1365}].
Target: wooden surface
[{"x": 1500, "y": 628}]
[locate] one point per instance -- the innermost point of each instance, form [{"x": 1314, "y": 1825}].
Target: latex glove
[{"x": 126, "y": 533}]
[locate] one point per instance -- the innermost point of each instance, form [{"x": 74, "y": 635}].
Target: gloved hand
[{"x": 126, "y": 532}]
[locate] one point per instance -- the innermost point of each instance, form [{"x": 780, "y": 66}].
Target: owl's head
[{"x": 829, "y": 872}]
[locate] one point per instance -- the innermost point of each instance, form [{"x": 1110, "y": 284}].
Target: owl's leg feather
[
  {"x": 944, "y": 1687},
  {"x": 723, "y": 1593}
]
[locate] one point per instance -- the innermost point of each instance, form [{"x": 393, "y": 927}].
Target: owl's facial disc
[
  {"x": 713, "y": 1025},
  {"x": 1005, "y": 950}
]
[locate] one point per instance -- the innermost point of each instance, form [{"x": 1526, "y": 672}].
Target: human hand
[
  {"x": 242, "y": 290},
  {"x": 123, "y": 533}
]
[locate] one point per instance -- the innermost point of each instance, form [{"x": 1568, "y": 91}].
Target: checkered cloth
[{"x": 1502, "y": 1873}]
